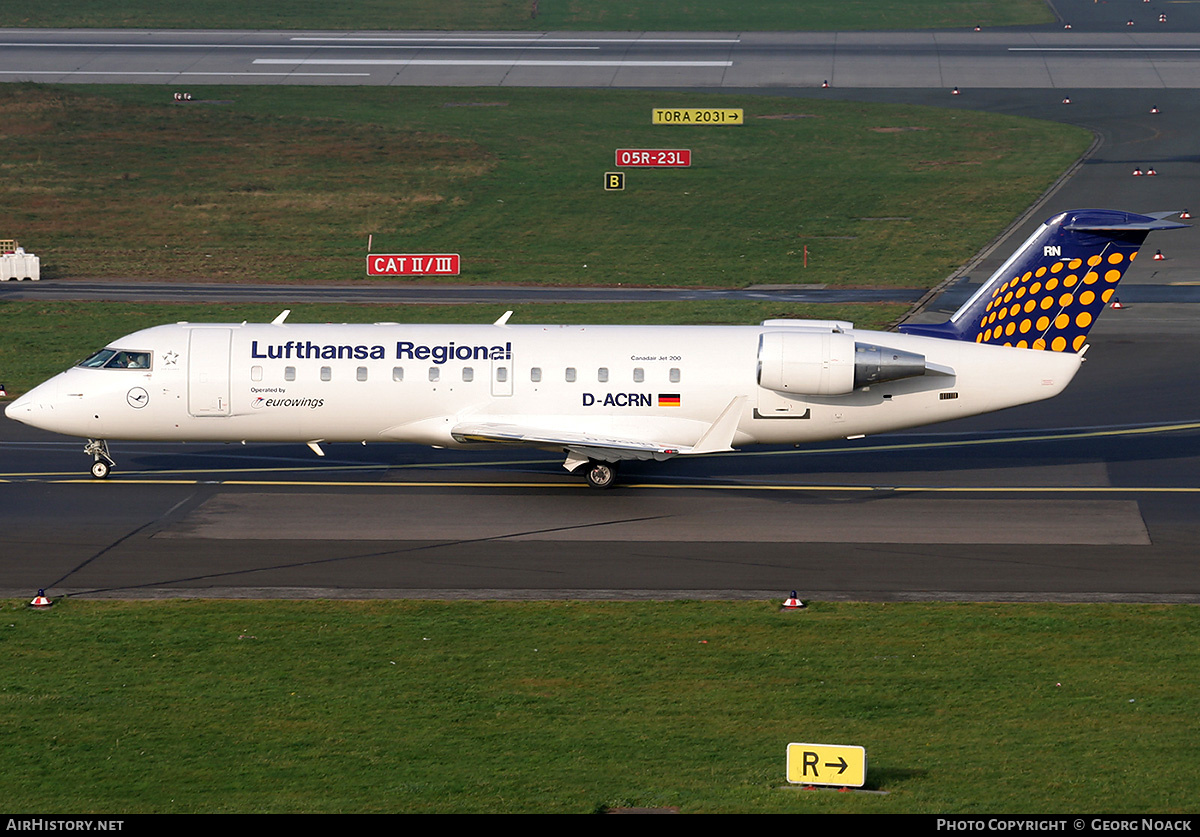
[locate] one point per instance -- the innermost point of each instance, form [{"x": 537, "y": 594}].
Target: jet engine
[{"x": 829, "y": 363}]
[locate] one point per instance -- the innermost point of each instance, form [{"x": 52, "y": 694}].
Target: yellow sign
[
  {"x": 614, "y": 181},
  {"x": 826, "y": 764},
  {"x": 697, "y": 116}
]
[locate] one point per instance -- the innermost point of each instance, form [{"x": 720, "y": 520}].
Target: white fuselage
[{"x": 415, "y": 383}]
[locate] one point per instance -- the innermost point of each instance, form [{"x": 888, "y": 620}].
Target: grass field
[
  {"x": 41, "y": 339},
  {"x": 603, "y": 15},
  {"x": 286, "y": 184},
  {"x": 575, "y": 707}
]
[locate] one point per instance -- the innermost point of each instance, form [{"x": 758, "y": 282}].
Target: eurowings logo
[{"x": 311, "y": 403}]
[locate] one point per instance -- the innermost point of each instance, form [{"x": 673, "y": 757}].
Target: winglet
[
  {"x": 719, "y": 436},
  {"x": 504, "y": 319},
  {"x": 282, "y": 316}
]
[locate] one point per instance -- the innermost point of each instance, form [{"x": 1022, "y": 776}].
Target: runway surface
[
  {"x": 1090, "y": 496},
  {"x": 1147, "y": 55}
]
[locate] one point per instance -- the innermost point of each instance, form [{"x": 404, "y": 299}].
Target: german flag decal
[{"x": 668, "y": 400}]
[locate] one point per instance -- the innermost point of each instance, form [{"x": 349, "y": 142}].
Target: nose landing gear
[{"x": 102, "y": 464}]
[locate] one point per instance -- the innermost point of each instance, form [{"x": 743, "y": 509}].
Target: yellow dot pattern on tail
[{"x": 1048, "y": 295}]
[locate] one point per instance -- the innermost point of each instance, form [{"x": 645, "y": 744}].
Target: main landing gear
[
  {"x": 102, "y": 464},
  {"x": 601, "y": 474}
]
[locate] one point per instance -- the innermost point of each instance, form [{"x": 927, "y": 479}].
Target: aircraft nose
[
  {"x": 26, "y": 408},
  {"x": 19, "y": 409}
]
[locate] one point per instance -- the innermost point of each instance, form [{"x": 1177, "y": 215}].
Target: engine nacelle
[{"x": 829, "y": 363}]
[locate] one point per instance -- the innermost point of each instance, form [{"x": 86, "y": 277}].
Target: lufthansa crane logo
[{"x": 137, "y": 398}]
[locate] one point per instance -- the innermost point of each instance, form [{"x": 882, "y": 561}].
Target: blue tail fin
[{"x": 1050, "y": 292}]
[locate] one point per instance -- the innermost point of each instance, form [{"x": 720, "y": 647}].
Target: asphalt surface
[
  {"x": 1096, "y": 53},
  {"x": 1091, "y": 496}
]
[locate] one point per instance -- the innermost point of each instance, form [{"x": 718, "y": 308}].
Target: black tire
[
  {"x": 601, "y": 474},
  {"x": 100, "y": 469}
]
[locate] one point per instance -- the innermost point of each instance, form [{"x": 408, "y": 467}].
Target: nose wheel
[
  {"x": 102, "y": 464},
  {"x": 601, "y": 474}
]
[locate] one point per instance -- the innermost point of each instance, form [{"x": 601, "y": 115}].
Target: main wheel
[
  {"x": 601, "y": 474},
  {"x": 100, "y": 469}
]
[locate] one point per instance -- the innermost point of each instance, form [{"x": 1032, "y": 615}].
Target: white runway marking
[
  {"x": 170, "y": 73},
  {"x": 449, "y": 62},
  {"x": 529, "y": 39}
]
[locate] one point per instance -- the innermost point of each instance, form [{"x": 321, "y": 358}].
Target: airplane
[{"x": 604, "y": 394}]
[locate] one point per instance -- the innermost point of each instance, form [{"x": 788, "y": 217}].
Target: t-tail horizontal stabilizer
[{"x": 1051, "y": 290}]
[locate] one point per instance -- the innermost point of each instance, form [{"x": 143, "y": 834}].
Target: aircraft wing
[
  {"x": 587, "y": 445},
  {"x": 582, "y": 446}
]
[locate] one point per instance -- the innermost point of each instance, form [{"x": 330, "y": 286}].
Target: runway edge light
[
  {"x": 40, "y": 600},
  {"x": 792, "y": 603},
  {"x": 834, "y": 765}
]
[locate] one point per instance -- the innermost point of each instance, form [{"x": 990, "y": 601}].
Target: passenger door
[{"x": 208, "y": 371}]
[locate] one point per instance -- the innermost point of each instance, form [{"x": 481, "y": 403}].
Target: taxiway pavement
[{"x": 1090, "y": 496}]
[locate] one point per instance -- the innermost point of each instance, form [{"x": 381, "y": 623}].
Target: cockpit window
[
  {"x": 97, "y": 360},
  {"x": 117, "y": 359}
]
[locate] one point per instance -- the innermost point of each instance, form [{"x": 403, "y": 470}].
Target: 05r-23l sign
[{"x": 654, "y": 157}]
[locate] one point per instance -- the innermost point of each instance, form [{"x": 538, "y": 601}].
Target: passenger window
[
  {"x": 674, "y": 376},
  {"x": 570, "y": 374},
  {"x": 535, "y": 374},
  {"x": 361, "y": 373},
  {"x": 289, "y": 373},
  {"x": 397, "y": 373},
  {"x": 501, "y": 374},
  {"x": 435, "y": 374},
  {"x": 256, "y": 373},
  {"x": 468, "y": 374},
  {"x": 639, "y": 375},
  {"x": 602, "y": 375},
  {"x": 326, "y": 373}
]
